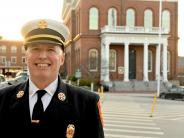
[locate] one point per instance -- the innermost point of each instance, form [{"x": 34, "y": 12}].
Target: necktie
[{"x": 38, "y": 108}]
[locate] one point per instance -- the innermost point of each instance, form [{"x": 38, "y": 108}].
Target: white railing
[{"x": 136, "y": 29}]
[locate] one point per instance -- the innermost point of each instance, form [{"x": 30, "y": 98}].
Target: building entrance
[{"x": 132, "y": 64}]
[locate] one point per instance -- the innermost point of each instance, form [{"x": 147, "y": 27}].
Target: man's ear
[{"x": 62, "y": 58}]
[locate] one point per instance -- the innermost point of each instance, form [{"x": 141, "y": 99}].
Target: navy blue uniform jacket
[{"x": 79, "y": 109}]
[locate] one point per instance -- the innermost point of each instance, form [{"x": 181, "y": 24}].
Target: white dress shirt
[{"x": 50, "y": 89}]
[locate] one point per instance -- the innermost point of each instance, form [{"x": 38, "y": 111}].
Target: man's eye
[
  {"x": 52, "y": 50},
  {"x": 35, "y": 49}
]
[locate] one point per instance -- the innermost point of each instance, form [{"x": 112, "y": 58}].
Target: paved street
[{"x": 128, "y": 116}]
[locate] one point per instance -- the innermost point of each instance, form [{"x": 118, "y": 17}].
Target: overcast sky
[{"x": 14, "y": 13}]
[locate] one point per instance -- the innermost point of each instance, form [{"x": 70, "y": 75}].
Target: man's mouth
[{"x": 42, "y": 65}]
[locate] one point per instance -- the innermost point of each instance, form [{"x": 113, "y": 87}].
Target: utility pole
[{"x": 159, "y": 47}]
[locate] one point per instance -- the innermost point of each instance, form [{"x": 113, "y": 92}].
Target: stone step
[{"x": 150, "y": 86}]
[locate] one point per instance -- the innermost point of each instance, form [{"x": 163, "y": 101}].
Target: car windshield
[
  {"x": 21, "y": 73},
  {"x": 2, "y": 78}
]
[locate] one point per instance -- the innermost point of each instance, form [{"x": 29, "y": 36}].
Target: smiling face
[{"x": 44, "y": 61}]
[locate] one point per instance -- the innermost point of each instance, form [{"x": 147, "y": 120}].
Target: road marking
[
  {"x": 125, "y": 136},
  {"x": 129, "y": 122},
  {"x": 178, "y": 118},
  {"x": 133, "y": 131},
  {"x": 128, "y": 126},
  {"x": 127, "y": 118},
  {"x": 133, "y": 113}
]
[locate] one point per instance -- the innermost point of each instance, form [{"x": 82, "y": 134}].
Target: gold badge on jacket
[
  {"x": 61, "y": 96},
  {"x": 20, "y": 94},
  {"x": 70, "y": 131}
]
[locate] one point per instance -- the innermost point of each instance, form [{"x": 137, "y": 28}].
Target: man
[{"x": 44, "y": 104}]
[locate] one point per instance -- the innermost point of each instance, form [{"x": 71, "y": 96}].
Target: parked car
[
  {"x": 22, "y": 73},
  {"x": 2, "y": 78},
  {"x": 14, "y": 81},
  {"x": 176, "y": 92}
]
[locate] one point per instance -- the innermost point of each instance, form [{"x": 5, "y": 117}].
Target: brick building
[
  {"x": 118, "y": 40},
  {"x": 12, "y": 57}
]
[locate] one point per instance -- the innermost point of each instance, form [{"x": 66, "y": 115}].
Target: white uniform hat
[{"x": 45, "y": 31}]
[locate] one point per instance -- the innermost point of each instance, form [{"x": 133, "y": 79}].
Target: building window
[
  {"x": 23, "y": 60},
  {"x": 112, "y": 60},
  {"x": 13, "y": 60},
  {"x": 93, "y": 60},
  {"x": 168, "y": 61},
  {"x": 148, "y": 19},
  {"x": 166, "y": 20},
  {"x": 93, "y": 18},
  {"x": 150, "y": 60},
  {"x": 112, "y": 17},
  {"x": 2, "y": 59},
  {"x": 13, "y": 49},
  {"x": 130, "y": 18},
  {"x": 2, "y": 49}
]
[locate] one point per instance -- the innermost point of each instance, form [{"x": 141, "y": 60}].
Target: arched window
[
  {"x": 2, "y": 49},
  {"x": 93, "y": 18},
  {"x": 93, "y": 60},
  {"x": 112, "y": 17},
  {"x": 13, "y": 49},
  {"x": 2, "y": 59},
  {"x": 148, "y": 18},
  {"x": 168, "y": 61},
  {"x": 112, "y": 60},
  {"x": 150, "y": 60},
  {"x": 130, "y": 18},
  {"x": 166, "y": 20}
]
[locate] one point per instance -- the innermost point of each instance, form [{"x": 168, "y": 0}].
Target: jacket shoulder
[{"x": 11, "y": 90}]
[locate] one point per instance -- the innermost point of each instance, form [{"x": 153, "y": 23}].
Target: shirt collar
[{"x": 51, "y": 88}]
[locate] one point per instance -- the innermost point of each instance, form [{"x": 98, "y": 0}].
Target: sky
[{"x": 14, "y": 13}]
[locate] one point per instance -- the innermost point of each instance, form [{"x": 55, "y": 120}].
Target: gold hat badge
[
  {"x": 42, "y": 24},
  {"x": 61, "y": 96},
  {"x": 70, "y": 131},
  {"x": 20, "y": 94}
]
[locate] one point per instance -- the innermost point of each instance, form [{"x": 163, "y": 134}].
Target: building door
[{"x": 132, "y": 64}]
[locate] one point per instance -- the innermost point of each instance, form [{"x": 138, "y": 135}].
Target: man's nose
[{"x": 43, "y": 54}]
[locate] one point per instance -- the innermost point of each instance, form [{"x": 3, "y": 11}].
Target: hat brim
[{"x": 44, "y": 42}]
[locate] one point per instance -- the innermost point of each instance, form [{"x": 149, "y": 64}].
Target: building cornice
[{"x": 68, "y": 7}]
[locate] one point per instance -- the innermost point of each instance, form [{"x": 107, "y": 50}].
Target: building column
[
  {"x": 104, "y": 62},
  {"x": 164, "y": 62},
  {"x": 106, "y": 79},
  {"x": 102, "y": 71},
  {"x": 126, "y": 62},
  {"x": 145, "y": 77},
  {"x": 157, "y": 73}
]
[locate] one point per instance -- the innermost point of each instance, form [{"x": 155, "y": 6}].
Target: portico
[{"x": 134, "y": 36}]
